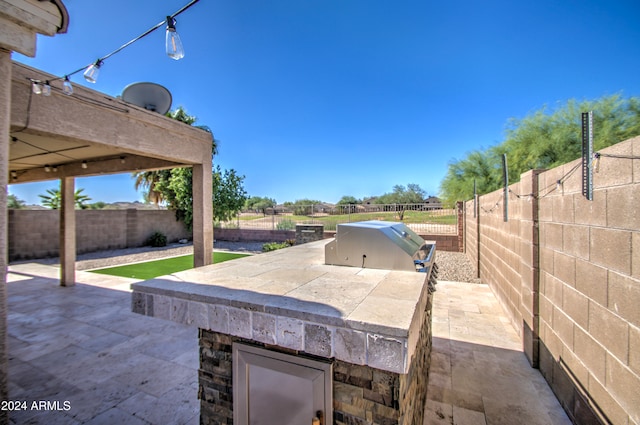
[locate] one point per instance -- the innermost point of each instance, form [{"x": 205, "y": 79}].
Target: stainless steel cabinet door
[{"x": 274, "y": 388}]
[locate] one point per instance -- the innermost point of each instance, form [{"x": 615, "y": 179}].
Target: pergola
[
  {"x": 91, "y": 134},
  {"x": 85, "y": 134}
]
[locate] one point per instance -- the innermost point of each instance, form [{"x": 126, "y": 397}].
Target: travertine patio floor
[
  {"x": 83, "y": 345},
  {"x": 479, "y": 374}
]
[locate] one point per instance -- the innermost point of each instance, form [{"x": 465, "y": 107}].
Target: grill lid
[{"x": 379, "y": 245}]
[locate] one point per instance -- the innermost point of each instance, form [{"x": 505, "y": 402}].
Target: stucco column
[
  {"x": 202, "y": 215},
  {"x": 5, "y": 107},
  {"x": 67, "y": 232}
]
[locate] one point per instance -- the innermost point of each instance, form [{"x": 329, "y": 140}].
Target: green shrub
[
  {"x": 157, "y": 239},
  {"x": 272, "y": 246},
  {"x": 286, "y": 224}
]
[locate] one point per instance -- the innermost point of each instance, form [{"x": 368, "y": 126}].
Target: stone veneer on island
[{"x": 373, "y": 325}]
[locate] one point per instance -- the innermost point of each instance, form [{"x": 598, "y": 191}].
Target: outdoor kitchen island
[{"x": 283, "y": 329}]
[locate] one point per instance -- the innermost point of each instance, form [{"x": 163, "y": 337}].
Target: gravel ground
[
  {"x": 456, "y": 267},
  {"x": 452, "y": 266}
]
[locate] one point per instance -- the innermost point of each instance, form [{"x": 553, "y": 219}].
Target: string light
[
  {"x": 36, "y": 88},
  {"x": 596, "y": 162},
  {"x": 173, "y": 45},
  {"x": 92, "y": 71},
  {"x": 67, "y": 87}
]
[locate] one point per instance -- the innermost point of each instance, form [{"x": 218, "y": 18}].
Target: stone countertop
[{"x": 290, "y": 298}]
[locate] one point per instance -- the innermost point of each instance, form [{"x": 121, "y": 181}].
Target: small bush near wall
[
  {"x": 286, "y": 224},
  {"x": 157, "y": 239},
  {"x": 272, "y": 246}
]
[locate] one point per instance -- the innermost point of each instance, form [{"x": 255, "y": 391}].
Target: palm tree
[
  {"x": 148, "y": 180},
  {"x": 180, "y": 114},
  {"x": 54, "y": 199},
  {"x": 15, "y": 203}
]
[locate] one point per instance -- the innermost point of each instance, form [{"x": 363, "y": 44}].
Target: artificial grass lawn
[{"x": 151, "y": 269}]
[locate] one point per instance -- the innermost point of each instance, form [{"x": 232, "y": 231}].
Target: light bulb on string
[
  {"x": 92, "y": 72},
  {"x": 67, "y": 87},
  {"x": 36, "y": 88},
  {"x": 173, "y": 43},
  {"x": 173, "y": 46},
  {"x": 46, "y": 89}
]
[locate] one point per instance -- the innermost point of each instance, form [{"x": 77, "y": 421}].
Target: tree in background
[
  {"x": 302, "y": 206},
  {"x": 544, "y": 139},
  {"x": 174, "y": 186},
  {"x": 15, "y": 203},
  {"x": 257, "y": 203},
  {"x": 147, "y": 180},
  {"x": 478, "y": 166},
  {"x": 229, "y": 195},
  {"x": 53, "y": 199},
  {"x": 349, "y": 202},
  {"x": 411, "y": 194},
  {"x": 98, "y": 205}
]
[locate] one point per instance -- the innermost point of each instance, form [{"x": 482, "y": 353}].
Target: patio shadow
[{"x": 82, "y": 350}]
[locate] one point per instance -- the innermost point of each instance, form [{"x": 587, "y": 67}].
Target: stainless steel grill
[{"x": 381, "y": 245}]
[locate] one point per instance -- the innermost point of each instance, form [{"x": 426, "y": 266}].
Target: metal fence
[{"x": 421, "y": 218}]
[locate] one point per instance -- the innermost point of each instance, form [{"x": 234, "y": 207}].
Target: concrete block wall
[
  {"x": 590, "y": 284},
  {"x": 499, "y": 244},
  {"x": 568, "y": 274},
  {"x": 148, "y": 222},
  {"x": 100, "y": 229},
  {"x": 35, "y": 233}
]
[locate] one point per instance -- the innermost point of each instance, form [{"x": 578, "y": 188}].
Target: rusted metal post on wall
[
  {"x": 475, "y": 199},
  {"x": 505, "y": 195},
  {"x": 460, "y": 216},
  {"x": 587, "y": 155}
]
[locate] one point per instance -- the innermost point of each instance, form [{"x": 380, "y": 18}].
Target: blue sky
[{"x": 320, "y": 99}]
